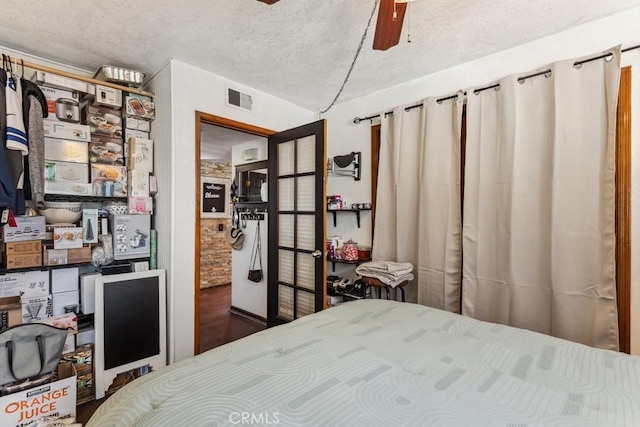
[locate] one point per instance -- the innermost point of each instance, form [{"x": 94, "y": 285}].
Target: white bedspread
[{"x": 383, "y": 363}]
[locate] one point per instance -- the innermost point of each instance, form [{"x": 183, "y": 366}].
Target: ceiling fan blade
[
  {"x": 269, "y": 1},
  {"x": 387, "y": 30}
]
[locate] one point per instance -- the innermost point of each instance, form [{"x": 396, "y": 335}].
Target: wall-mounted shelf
[{"x": 335, "y": 214}]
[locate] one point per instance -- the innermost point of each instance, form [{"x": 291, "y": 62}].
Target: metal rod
[
  {"x": 82, "y": 78},
  {"x": 497, "y": 85}
]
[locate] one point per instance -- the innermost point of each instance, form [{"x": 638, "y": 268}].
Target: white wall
[
  {"x": 245, "y": 294},
  {"x": 194, "y": 89},
  {"x": 163, "y": 220},
  {"x": 345, "y": 136},
  {"x": 237, "y": 152}
]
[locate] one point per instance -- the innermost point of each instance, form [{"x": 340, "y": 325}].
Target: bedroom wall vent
[{"x": 238, "y": 99}]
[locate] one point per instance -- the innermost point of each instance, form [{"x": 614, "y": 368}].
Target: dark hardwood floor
[{"x": 217, "y": 327}]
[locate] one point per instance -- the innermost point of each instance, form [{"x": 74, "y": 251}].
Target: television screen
[{"x": 131, "y": 327}]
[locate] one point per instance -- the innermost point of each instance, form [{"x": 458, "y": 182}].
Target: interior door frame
[{"x": 210, "y": 119}]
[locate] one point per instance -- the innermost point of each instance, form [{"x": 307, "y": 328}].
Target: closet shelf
[{"x": 333, "y": 262}]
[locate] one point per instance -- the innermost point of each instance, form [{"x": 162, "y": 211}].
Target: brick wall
[{"x": 215, "y": 252}]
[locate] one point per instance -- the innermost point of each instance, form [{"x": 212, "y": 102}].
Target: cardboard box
[
  {"x": 64, "y": 301},
  {"x": 136, "y": 124},
  {"x": 67, "y": 237},
  {"x": 68, "y": 321},
  {"x": 10, "y": 311},
  {"x": 140, "y": 206},
  {"x": 67, "y": 188},
  {"x": 66, "y": 151},
  {"x": 108, "y": 97},
  {"x": 64, "y": 279},
  {"x": 62, "y": 105},
  {"x": 76, "y": 173},
  {"x": 28, "y": 284},
  {"x": 139, "y": 107},
  {"x": 12, "y": 262},
  {"x": 109, "y": 181},
  {"x": 85, "y": 336},
  {"x": 140, "y": 154},
  {"x": 52, "y": 256},
  {"x": 26, "y": 407},
  {"x": 106, "y": 150},
  {"x": 90, "y": 225},
  {"x": 88, "y": 292},
  {"x": 138, "y": 183},
  {"x": 70, "y": 131},
  {"x": 131, "y": 236},
  {"x": 60, "y": 82},
  {"x": 132, "y": 133},
  {"x": 153, "y": 185},
  {"x": 27, "y": 228},
  {"x": 22, "y": 248},
  {"x": 103, "y": 120},
  {"x": 36, "y": 308}
]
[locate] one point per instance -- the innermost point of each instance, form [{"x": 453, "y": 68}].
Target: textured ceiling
[
  {"x": 298, "y": 50},
  {"x": 216, "y": 142}
]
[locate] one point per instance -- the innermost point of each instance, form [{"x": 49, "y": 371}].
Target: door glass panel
[
  {"x": 305, "y": 303},
  {"x": 285, "y": 266},
  {"x": 285, "y": 194},
  {"x": 306, "y": 193},
  {"x": 285, "y": 230},
  {"x": 285, "y": 302},
  {"x": 286, "y": 159},
  {"x": 307, "y": 232},
  {"x": 306, "y": 154},
  {"x": 306, "y": 272}
]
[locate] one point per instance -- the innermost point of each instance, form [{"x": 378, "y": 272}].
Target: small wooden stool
[{"x": 375, "y": 283}]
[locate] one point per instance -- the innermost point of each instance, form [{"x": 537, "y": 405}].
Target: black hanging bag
[{"x": 255, "y": 274}]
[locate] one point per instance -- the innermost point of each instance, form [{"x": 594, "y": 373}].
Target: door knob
[{"x": 316, "y": 254}]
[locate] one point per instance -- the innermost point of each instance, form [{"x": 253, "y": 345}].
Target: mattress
[{"x": 379, "y": 362}]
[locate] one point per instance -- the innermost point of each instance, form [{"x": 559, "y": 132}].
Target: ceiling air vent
[{"x": 239, "y": 99}]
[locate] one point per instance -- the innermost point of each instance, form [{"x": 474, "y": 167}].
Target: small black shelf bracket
[{"x": 356, "y": 211}]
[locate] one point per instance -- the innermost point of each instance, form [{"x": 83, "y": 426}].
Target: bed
[{"x": 379, "y": 362}]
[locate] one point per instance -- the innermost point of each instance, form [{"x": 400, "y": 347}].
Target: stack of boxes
[
  {"x": 103, "y": 115},
  {"x": 132, "y": 232},
  {"x": 66, "y": 140}
]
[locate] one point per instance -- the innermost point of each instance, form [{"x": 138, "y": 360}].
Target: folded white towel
[
  {"x": 388, "y": 266},
  {"x": 390, "y": 280}
]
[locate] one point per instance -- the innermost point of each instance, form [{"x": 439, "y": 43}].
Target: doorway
[{"x": 215, "y": 138}]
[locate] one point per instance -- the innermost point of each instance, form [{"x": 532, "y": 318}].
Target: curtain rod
[
  {"x": 496, "y": 86},
  {"x": 46, "y": 69}
]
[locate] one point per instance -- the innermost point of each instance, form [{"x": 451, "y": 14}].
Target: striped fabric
[{"x": 383, "y": 363}]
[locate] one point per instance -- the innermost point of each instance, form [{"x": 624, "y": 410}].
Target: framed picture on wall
[{"x": 214, "y": 197}]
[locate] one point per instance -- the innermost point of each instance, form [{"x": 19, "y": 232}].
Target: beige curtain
[
  {"x": 418, "y": 200},
  {"x": 538, "y": 233}
]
